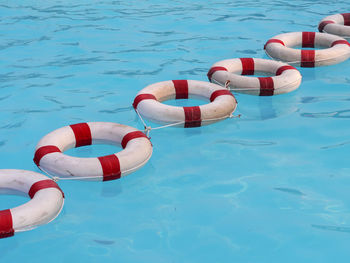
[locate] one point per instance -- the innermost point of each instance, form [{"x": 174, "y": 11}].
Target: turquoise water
[{"x": 271, "y": 186}]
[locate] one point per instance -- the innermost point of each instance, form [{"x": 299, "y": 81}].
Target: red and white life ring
[
  {"x": 46, "y": 202},
  {"x": 148, "y": 103},
  {"x": 338, "y": 49},
  {"x": 338, "y": 24},
  {"x": 286, "y": 79},
  {"x": 50, "y": 158}
]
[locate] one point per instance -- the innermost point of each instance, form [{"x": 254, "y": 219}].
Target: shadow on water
[
  {"x": 264, "y": 108},
  {"x": 111, "y": 189}
]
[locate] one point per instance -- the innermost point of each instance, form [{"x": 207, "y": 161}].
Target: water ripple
[
  {"x": 342, "y": 114},
  {"x": 5, "y": 97},
  {"x": 133, "y": 72},
  {"x": 12, "y": 125},
  {"x": 160, "y": 33},
  {"x": 248, "y": 51},
  {"x": 335, "y": 145},
  {"x": 117, "y": 110},
  {"x": 194, "y": 71},
  {"x": 289, "y": 191},
  {"x": 246, "y": 142},
  {"x": 333, "y": 228},
  {"x": 9, "y": 77},
  {"x": 17, "y": 43},
  {"x": 52, "y": 99},
  {"x": 311, "y": 99},
  {"x": 104, "y": 242}
]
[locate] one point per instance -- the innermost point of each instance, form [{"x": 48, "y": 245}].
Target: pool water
[{"x": 270, "y": 186}]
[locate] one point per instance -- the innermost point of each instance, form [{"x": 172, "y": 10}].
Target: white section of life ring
[
  {"x": 286, "y": 79},
  {"x": 45, "y": 205},
  {"x": 148, "y": 103},
  {"x": 279, "y": 48},
  {"x": 50, "y": 158},
  {"x": 338, "y": 24}
]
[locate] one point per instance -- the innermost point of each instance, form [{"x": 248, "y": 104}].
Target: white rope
[
  {"x": 58, "y": 178},
  {"x": 207, "y": 120},
  {"x": 169, "y": 125},
  {"x": 147, "y": 131},
  {"x": 183, "y": 122},
  {"x": 54, "y": 178},
  {"x": 143, "y": 122},
  {"x": 149, "y": 128},
  {"x": 242, "y": 89}
]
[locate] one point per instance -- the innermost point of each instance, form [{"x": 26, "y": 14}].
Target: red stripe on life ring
[
  {"x": 280, "y": 70},
  {"x": 82, "y": 134},
  {"x": 110, "y": 167},
  {"x": 6, "y": 225},
  {"x": 274, "y": 40},
  {"x": 346, "y": 17},
  {"x": 308, "y": 39},
  {"x": 42, "y": 151},
  {"x": 247, "y": 66},
  {"x": 218, "y": 93},
  {"x": 192, "y": 117},
  {"x": 130, "y": 136},
  {"x": 322, "y": 25},
  {"x": 43, "y": 185},
  {"x": 266, "y": 86},
  {"x": 181, "y": 89},
  {"x": 307, "y": 58},
  {"x": 142, "y": 97},
  {"x": 338, "y": 42},
  {"x": 213, "y": 70}
]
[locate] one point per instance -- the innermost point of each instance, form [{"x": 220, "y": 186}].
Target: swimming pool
[{"x": 270, "y": 186}]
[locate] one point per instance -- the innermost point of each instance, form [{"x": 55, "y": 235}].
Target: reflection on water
[{"x": 269, "y": 107}]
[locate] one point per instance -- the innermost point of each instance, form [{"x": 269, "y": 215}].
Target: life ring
[
  {"x": 286, "y": 79},
  {"x": 279, "y": 48},
  {"x": 50, "y": 158},
  {"x": 338, "y": 24},
  {"x": 46, "y": 202},
  {"x": 148, "y": 103}
]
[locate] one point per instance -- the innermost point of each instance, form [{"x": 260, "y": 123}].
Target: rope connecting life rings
[
  {"x": 338, "y": 24},
  {"x": 46, "y": 202},
  {"x": 148, "y": 103},
  {"x": 137, "y": 150},
  {"x": 279, "y": 47},
  {"x": 286, "y": 79}
]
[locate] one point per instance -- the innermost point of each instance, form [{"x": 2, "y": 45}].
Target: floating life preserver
[
  {"x": 46, "y": 202},
  {"x": 50, "y": 158},
  {"x": 338, "y": 49},
  {"x": 338, "y": 24},
  {"x": 286, "y": 79},
  {"x": 148, "y": 103}
]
